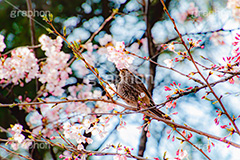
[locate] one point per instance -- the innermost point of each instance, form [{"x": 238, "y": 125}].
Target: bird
[{"x": 134, "y": 93}]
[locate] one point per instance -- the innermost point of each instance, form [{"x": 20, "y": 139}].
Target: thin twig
[
  {"x": 162, "y": 66},
  {"x": 20, "y": 155},
  {"x": 199, "y": 149}
]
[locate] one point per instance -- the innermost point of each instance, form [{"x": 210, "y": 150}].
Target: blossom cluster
[
  {"x": 175, "y": 88},
  {"x": 192, "y": 13},
  {"x": 50, "y": 116},
  {"x": 217, "y": 39},
  {"x": 76, "y": 132},
  {"x": 18, "y": 139},
  {"x": 229, "y": 128},
  {"x": 236, "y": 44},
  {"x": 179, "y": 54},
  {"x": 181, "y": 154},
  {"x": 118, "y": 53},
  {"x": 119, "y": 56},
  {"x": 86, "y": 92},
  {"x": 231, "y": 62},
  {"x": 21, "y": 65},
  {"x": 54, "y": 72},
  {"x": 44, "y": 121}
]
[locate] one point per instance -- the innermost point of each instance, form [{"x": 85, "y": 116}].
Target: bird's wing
[
  {"x": 140, "y": 87},
  {"x": 154, "y": 111}
]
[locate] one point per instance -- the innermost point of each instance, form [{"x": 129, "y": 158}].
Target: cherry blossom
[
  {"x": 144, "y": 42},
  {"x": 21, "y": 65},
  {"x": 195, "y": 43},
  {"x": 18, "y": 138},
  {"x": 102, "y": 107},
  {"x": 49, "y": 44},
  {"x": 171, "y": 47},
  {"x": 134, "y": 48},
  {"x": 102, "y": 50},
  {"x": 2, "y": 44},
  {"x": 119, "y": 56},
  {"x": 120, "y": 157},
  {"x": 219, "y": 114},
  {"x": 169, "y": 63},
  {"x": 209, "y": 145},
  {"x": 105, "y": 39},
  {"x": 175, "y": 87},
  {"x": 181, "y": 154},
  {"x": 235, "y": 6},
  {"x": 67, "y": 156},
  {"x": 75, "y": 131},
  {"x": 55, "y": 71},
  {"x": 89, "y": 47},
  {"x": 35, "y": 118},
  {"x": 192, "y": 13},
  {"x": 17, "y": 128},
  {"x": 217, "y": 39},
  {"x": 236, "y": 45}
]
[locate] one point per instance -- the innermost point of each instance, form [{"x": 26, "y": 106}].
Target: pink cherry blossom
[
  {"x": 118, "y": 56},
  {"x": 49, "y": 44},
  {"x": 217, "y": 39},
  {"x": 18, "y": 137},
  {"x": 169, "y": 63},
  {"x": 192, "y": 13},
  {"x": 21, "y": 65},
  {"x": 120, "y": 157},
  {"x": 171, "y": 47},
  {"x": 17, "y": 128},
  {"x": 234, "y": 5},
  {"x": 183, "y": 154},
  {"x": 105, "y": 40},
  {"x": 55, "y": 71},
  {"x": 2, "y": 44}
]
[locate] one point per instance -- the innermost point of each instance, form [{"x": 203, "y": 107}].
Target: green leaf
[
  {"x": 45, "y": 18},
  {"x": 64, "y": 31},
  {"x": 164, "y": 155},
  {"x": 96, "y": 70},
  {"x": 54, "y": 105},
  {"x": 49, "y": 30},
  {"x": 207, "y": 99},
  {"x": 76, "y": 45},
  {"x": 50, "y": 17},
  {"x": 180, "y": 139},
  {"x": 40, "y": 99},
  {"x": 115, "y": 10},
  {"x": 215, "y": 102},
  {"x": 78, "y": 56},
  {"x": 12, "y": 105}
]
